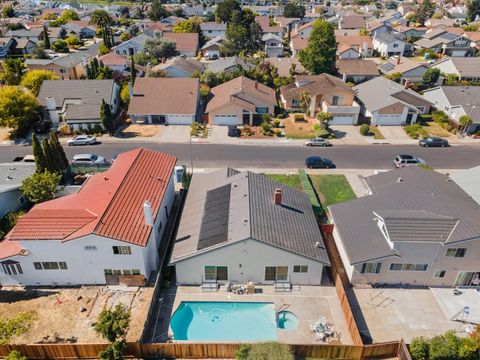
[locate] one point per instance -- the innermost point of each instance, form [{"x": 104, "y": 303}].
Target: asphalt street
[{"x": 279, "y": 156}]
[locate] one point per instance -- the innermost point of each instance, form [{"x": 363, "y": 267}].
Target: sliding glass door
[
  {"x": 467, "y": 278},
  {"x": 276, "y": 273}
]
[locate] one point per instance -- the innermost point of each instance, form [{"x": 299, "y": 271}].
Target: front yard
[
  {"x": 332, "y": 189},
  {"x": 290, "y": 180},
  {"x": 141, "y": 130},
  {"x": 307, "y": 129}
]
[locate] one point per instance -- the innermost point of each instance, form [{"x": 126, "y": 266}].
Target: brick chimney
[
  {"x": 398, "y": 59},
  {"x": 407, "y": 84},
  {"x": 277, "y": 197},
  {"x": 256, "y": 85}
]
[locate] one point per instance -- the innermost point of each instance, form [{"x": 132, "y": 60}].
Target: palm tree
[
  {"x": 101, "y": 18},
  {"x": 305, "y": 101}
]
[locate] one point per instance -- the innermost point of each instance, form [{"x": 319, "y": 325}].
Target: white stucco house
[
  {"x": 12, "y": 175},
  {"x": 388, "y": 44},
  {"x": 108, "y": 232},
  {"x": 241, "y": 226}
]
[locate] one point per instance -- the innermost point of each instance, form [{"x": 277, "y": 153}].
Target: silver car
[
  {"x": 318, "y": 142},
  {"x": 88, "y": 159},
  {"x": 407, "y": 160},
  {"x": 82, "y": 140}
]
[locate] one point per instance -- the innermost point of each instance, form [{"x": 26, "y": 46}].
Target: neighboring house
[
  {"x": 273, "y": 45},
  {"x": 237, "y": 101},
  {"x": 388, "y": 44},
  {"x": 410, "y": 31},
  {"x": 77, "y": 103},
  {"x": 120, "y": 64},
  {"x": 327, "y": 94},
  {"x": 264, "y": 22},
  {"x": 37, "y": 34},
  {"x": 212, "y": 48},
  {"x": 70, "y": 66},
  {"x": 22, "y": 47},
  {"x": 174, "y": 101},
  {"x": 132, "y": 46},
  {"x": 417, "y": 227},
  {"x": 440, "y": 23},
  {"x": 240, "y": 227},
  {"x": 13, "y": 174},
  {"x": 180, "y": 67},
  {"x": 357, "y": 70},
  {"x": 458, "y": 13},
  {"x": 288, "y": 24},
  {"x": 446, "y": 43},
  {"x": 229, "y": 65},
  {"x": 80, "y": 29},
  {"x": 354, "y": 46},
  {"x": 187, "y": 44},
  {"x": 457, "y": 101},
  {"x": 467, "y": 69},
  {"x": 285, "y": 65},
  {"x": 108, "y": 232},
  {"x": 6, "y": 44},
  {"x": 395, "y": 106},
  {"x": 303, "y": 30},
  {"x": 213, "y": 29},
  {"x": 349, "y": 22},
  {"x": 297, "y": 44},
  {"x": 412, "y": 71}
]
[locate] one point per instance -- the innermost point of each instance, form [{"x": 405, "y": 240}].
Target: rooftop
[{"x": 12, "y": 174}]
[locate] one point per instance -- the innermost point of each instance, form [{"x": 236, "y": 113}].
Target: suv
[
  {"x": 88, "y": 159},
  {"x": 318, "y": 142},
  {"x": 433, "y": 142},
  {"x": 318, "y": 162},
  {"x": 407, "y": 160}
]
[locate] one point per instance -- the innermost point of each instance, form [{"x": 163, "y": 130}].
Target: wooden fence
[
  {"x": 403, "y": 353},
  {"x": 206, "y": 350}
]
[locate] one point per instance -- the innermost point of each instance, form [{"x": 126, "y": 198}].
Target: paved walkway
[{"x": 357, "y": 184}]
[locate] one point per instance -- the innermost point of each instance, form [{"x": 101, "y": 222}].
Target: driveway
[
  {"x": 347, "y": 134},
  {"x": 394, "y": 133},
  {"x": 219, "y": 134},
  {"x": 174, "y": 134}
]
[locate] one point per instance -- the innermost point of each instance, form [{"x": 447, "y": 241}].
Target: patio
[{"x": 310, "y": 303}]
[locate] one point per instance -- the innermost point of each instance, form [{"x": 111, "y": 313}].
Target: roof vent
[
  {"x": 317, "y": 244},
  {"x": 105, "y": 178},
  {"x": 277, "y": 196},
  {"x": 8, "y": 177},
  {"x": 234, "y": 185},
  {"x": 399, "y": 179},
  {"x": 147, "y": 213}
]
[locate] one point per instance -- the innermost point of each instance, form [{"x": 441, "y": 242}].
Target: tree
[
  {"x": 419, "y": 348},
  {"x": 431, "y": 76},
  {"x": 46, "y": 38},
  {"x": 8, "y": 11},
  {"x": 244, "y": 35},
  {"x": 15, "y": 355},
  {"x": 133, "y": 71},
  {"x": 60, "y": 46},
  {"x": 107, "y": 118},
  {"x": 113, "y": 326},
  {"x": 320, "y": 54},
  {"x": 425, "y": 11},
  {"x": 40, "y": 187},
  {"x": 124, "y": 11},
  {"x": 473, "y": 10},
  {"x": 125, "y": 94},
  {"x": 69, "y": 15},
  {"x": 12, "y": 71},
  {"x": 73, "y": 41},
  {"x": 305, "y": 100},
  {"x": 223, "y": 12},
  {"x": 61, "y": 158},
  {"x": 39, "y": 156},
  {"x": 33, "y": 79},
  {"x": 104, "y": 72},
  {"x": 50, "y": 159},
  {"x": 18, "y": 109},
  {"x": 160, "y": 49},
  {"x": 294, "y": 10},
  {"x": 465, "y": 121},
  {"x": 324, "y": 118},
  {"x": 267, "y": 350},
  {"x": 101, "y": 18},
  {"x": 157, "y": 11},
  {"x": 444, "y": 347}
]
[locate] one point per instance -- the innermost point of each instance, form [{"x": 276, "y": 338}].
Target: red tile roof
[
  {"x": 109, "y": 204},
  {"x": 9, "y": 249}
]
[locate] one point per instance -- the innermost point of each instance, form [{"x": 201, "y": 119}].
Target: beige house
[
  {"x": 240, "y": 101},
  {"x": 327, "y": 94},
  {"x": 416, "y": 227}
]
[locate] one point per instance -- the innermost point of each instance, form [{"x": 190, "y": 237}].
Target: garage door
[
  {"x": 180, "y": 119},
  {"x": 458, "y": 53},
  {"x": 225, "y": 120},
  {"x": 342, "y": 120},
  {"x": 389, "y": 119}
]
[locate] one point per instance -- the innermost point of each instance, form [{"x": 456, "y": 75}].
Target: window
[
  {"x": 408, "y": 267},
  {"x": 371, "y": 268},
  {"x": 38, "y": 266},
  {"x": 460, "y": 252},
  {"x": 90, "y": 247},
  {"x": 273, "y": 273},
  {"x": 261, "y": 110},
  {"x": 127, "y": 272},
  {"x": 122, "y": 250},
  {"x": 135, "y": 272},
  {"x": 12, "y": 268},
  {"x": 300, "y": 268},
  {"x": 108, "y": 271},
  {"x": 117, "y": 272},
  {"x": 63, "y": 265},
  {"x": 216, "y": 273},
  {"x": 439, "y": 273},
  {"x": 337, "y": 101},
  {"x": 50, "y": 265},
  {"x": 296, "y": 103}
]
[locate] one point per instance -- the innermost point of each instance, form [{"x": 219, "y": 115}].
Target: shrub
[
  {"x": 419, "y": 348},
  {"x": 299, "y": 118},
  {"x": 439, "y": 117},
  {"x": 281, "y": 116},
  {"x": 276, "y": 123},
  {"x": 268, "y": 350},
  {"x": 415, "y": 131},
  {"x": 266, "y": 118},
  {"x": 444, "y": 347},
  {"x": 364, "y": 129}
]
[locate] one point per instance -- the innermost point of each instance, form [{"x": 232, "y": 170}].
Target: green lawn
[
  {"x": 332, "y": 189},
  {"x": 290, "y": 180}
]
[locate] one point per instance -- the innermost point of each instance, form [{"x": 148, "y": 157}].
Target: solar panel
[
  {"x": 388, "y": 66},
  {"x": 214, "y": 228}
]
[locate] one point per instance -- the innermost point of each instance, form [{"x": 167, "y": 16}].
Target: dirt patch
[
  {"x": 139, "y": 130},
  {"x": 5, "y": 133},
  {"x": 256, "y": 133},
  {"x": 68, "y": 315},
  {"x": 300, "y": 130},
  {"x": 435, "y": 129}
]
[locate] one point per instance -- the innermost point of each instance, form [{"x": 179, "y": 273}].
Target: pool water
[
  {"x": 227, "y": 321},
  {"x": 286, "y": 320}
]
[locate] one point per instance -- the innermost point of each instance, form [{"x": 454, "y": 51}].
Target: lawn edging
[{"x": 310, "y": 191}]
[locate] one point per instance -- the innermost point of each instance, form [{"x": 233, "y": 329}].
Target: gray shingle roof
[
  {"x": 423, "y": 206},
  {"x": 468, "y": 180},
  {"x": 12, "y": 174},
  {"x": 252, "y": 213}
]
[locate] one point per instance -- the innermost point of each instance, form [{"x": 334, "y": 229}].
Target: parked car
[
  {"x": 233, "y": 131},
  {"x": 82, "y": 140},
  {"x": 318, "y": 142},
  {"x": 318, "y": 162},
  {"x": 407, "y": 160},
  {"x": 26, "y": 158},
  {"x": 88, "y": 159},
  {"x": 433, "y": 142}
]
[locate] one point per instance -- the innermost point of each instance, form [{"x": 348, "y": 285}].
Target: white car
[
  {"x": 82, "y": 140},
  {"x": 88, "y": 159}
]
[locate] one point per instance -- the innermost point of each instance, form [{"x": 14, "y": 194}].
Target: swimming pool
[{"x": 227, "y": 321}]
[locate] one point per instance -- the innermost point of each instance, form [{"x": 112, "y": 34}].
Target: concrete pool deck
[{"x": 308, "y": 303}]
